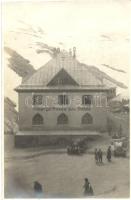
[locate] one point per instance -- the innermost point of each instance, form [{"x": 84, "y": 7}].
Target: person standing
[
  {"x": 96, "y": 156},
  {"x": 86, "y": 187},
  {"x": 88, "y": 191},
  {"x": 100, "y": 156},
  {"x": 38, "y": 189},
  {"x": 109, "y": 154}
]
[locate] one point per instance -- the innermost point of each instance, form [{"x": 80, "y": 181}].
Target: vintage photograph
[{"x": 66, "y": 99}]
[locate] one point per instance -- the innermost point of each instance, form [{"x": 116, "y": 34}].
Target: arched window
[
  {"x": 62, "y": 119},
  {"x": 87, "y": 119},
  {"x": 37, "y": 120}
]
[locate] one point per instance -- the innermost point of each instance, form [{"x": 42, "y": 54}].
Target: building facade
[{"x": 62, "y": 99}]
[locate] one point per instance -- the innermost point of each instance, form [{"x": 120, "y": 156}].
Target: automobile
[
  {"x": 73, "y": 149},
  {"x": 119, "y": 146},
  {"x": 120, "y": 152},
  {"x": 77, "y": 148},
  {"x": 122, "y": 141}
]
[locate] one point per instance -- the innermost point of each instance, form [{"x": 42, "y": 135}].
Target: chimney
[{"x": 74, "y": 52}]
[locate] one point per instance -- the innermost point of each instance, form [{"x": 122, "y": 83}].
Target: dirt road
[{"x": 62, "y": 175}]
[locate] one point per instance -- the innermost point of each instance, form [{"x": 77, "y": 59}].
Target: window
[
  {"x": 37, "y": 120},
  {"x": 86, "y": 99},
  {"x": 37, "y": 99},
  {"x": 63, "y": 100},
  {"x": 62, "y": 119},
  {"x": 87, "y": 119}
]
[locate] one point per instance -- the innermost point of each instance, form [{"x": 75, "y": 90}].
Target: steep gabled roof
[{"x": 63, "y": 61}]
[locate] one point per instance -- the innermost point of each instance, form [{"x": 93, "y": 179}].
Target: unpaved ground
[{"x": 62, "y": 175}]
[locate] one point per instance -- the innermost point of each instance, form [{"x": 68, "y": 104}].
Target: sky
[{"x": 99, "y": 29}]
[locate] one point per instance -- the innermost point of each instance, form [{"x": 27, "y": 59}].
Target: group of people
[
  {"x": 88, "y": 190},
  {"x": 73, "y": 149},
  {"x": 99, "y": 155}
]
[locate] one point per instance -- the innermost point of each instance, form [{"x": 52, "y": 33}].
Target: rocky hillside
[
  {"x": 19, "y": 64},
  {"x": 107, "y": 80}
]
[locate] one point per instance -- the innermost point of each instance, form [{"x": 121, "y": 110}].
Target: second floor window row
[{"x": 62, "y": 99}]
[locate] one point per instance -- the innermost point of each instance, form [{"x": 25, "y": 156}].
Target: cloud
[
  {"x": 106, "y": 37},
  {"x": 113, "y": 68}
]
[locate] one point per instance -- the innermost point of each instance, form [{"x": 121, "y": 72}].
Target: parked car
[
  {"x": 119, "y": 146},
  {"x": 73, "y": 149},
  {"x": 120, "y": 152},
  {"x": 77, "y": 148}
]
